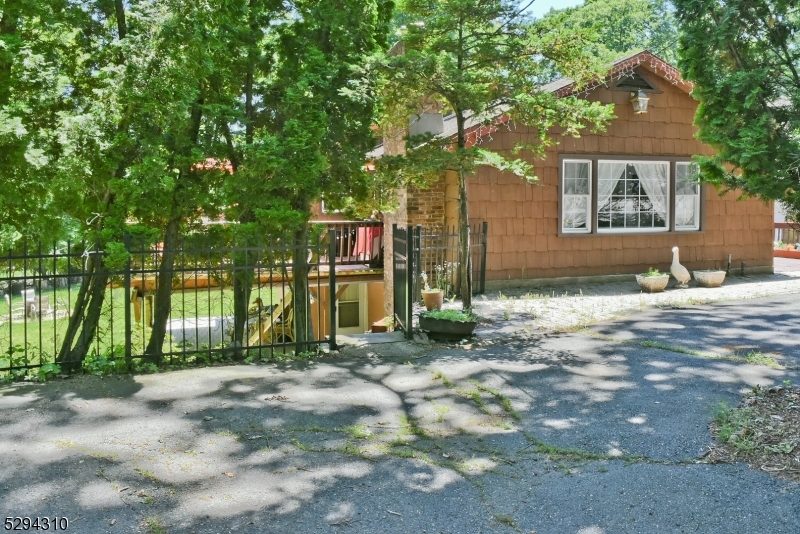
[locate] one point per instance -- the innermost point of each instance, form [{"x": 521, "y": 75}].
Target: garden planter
[
  {"x": 446, "y": 329},
  {"x": 652, "y": 284},
  {"x": 778, "y": 253},
  {"x": 709, "y": 278},
  {"x": 433, "y": 299}
]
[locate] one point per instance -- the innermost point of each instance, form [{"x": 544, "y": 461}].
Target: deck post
[{"x": 332, "y": 286}]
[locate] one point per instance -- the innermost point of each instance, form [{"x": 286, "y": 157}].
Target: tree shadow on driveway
[{"x": 357, "y": 442}]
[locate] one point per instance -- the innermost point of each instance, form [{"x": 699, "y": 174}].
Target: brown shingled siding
[{"x": 523, "y": 219}]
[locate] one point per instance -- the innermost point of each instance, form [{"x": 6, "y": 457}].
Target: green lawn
[{"x": 43, "y": 337}]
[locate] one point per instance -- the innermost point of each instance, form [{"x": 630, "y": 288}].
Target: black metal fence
[
  {"x": 403, "y": 240},
  {"x": 44, "y": 286},
  {"x": 431, "y": 253},
  {"x": 436, "y": 259}
]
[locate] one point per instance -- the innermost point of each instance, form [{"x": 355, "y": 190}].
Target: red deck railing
[{"x": 358, "y": 242}]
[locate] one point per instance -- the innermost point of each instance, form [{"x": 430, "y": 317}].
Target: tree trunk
[
  {"x": 163, "y": 296},
  {"x": 243, "y": 274},
  {"x": 303, "y": 333},
  {"x": 464, "y": 257},
  {"x": 85, "y": 315}
]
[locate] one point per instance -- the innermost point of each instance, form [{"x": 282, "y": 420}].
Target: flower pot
[
  {"x": 709, "y": 278},
  {"x": 652, "y": 284},
  {"x": 778, "y": 253},
  {"x": 445, "y": 329},
  {"x": 433, "y": 298}
]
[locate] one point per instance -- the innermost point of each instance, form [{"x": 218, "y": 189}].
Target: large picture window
[
  {"x": 632, "y": 196},
  {"x": 628, "y": 196}
]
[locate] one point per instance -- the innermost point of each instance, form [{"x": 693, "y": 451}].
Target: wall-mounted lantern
[{"x": 639, "y": 101}]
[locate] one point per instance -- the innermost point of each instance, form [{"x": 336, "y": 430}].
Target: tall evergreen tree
[
  {"x": 743, "y": 57},
  {"x": 480, "y": 60}
]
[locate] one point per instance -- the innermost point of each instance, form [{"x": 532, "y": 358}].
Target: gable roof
[{"x": 620, "y": 68}]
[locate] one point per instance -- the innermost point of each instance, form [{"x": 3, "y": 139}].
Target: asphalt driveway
[{"x": 597, "y": 432}]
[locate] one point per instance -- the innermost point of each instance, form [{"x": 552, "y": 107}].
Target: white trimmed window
[
  {"x": 632, "y": 196},
  {"x": 610, "y": 195},
  {"x": 687, "y": 197},
  {"x": 577, "y": 198}
]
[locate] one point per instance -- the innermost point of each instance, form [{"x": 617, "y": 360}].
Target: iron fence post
[
  {"x": 332, "y": 285},
  {"x": 409, "y": 304},
  {"x": 127, "y": 289},
  {"x": 483, "y": 256},
  {"x": 415, "y": 283}
]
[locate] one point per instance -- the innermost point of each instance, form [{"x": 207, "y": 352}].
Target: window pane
[
  {"x": 575, "y": 195},
  {"x": 638, "y": 196},
  {"x": 575, "y": 211},
  {"x": 348, "y": 314},
  {"x": 576, "y": 169},
  {"x": 685, "y": 211},
  {"x": 687, "y": 197}
]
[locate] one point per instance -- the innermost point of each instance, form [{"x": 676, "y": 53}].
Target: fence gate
[{"x": 403, "y": 276}]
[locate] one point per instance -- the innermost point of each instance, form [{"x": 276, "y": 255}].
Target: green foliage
[
  {"x": 479, "y": 61},
  {"x": 652, "y": 271},
  {"x": 110, "y": 361},
  {"x": 461, "y": 316},
  {"x": 742, "y": 56},
  {"x": 619, "y": 27}
]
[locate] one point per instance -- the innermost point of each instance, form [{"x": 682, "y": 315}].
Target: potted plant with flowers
[{"x": 433, "y": 295}]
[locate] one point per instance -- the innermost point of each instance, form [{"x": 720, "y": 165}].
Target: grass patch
[
  {"x": 302, "y": 446},
  {"x": 438, "y": 375},
  {"x": 650, "y": 344},
  {"x": 409, "y": 426},
  {"x": 147, "y": 474},
  {"x": 358, "y": 431},
  {"x": 475, "y": 396},
  {"x": 505, "y": 402},
  {"x": 753, "y": 357},
  {"x": 757, "y": 358},
  {"x": 554, "y": 452},
  {"x": 505, "y": 520},
  {"x": 153, "y": 525}
]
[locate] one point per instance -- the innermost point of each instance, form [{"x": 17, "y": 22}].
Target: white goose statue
[{"x": 680, "y": 272}]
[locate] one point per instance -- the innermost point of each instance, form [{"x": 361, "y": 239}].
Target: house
[{"x": 609, "y": 203}]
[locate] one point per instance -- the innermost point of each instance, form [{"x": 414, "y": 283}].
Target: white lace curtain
[
  {"x": 609, "y": 175},
  {"x": 653, "y": 178}
]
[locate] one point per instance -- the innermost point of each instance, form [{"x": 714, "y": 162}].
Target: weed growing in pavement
[
  {"x": 441, "y": 410},
  {"x": 358, "y": 431},
  {"x": 753, "y": 357},
  {"x": 757, "y": 358},
  {"x": 504, "y": 401},
  {"x": 438, "y": 375},
  {"x": 154, "y": 525},
  {"x": 147, "y": 474},
  {"x": 505, "y": 520}
]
